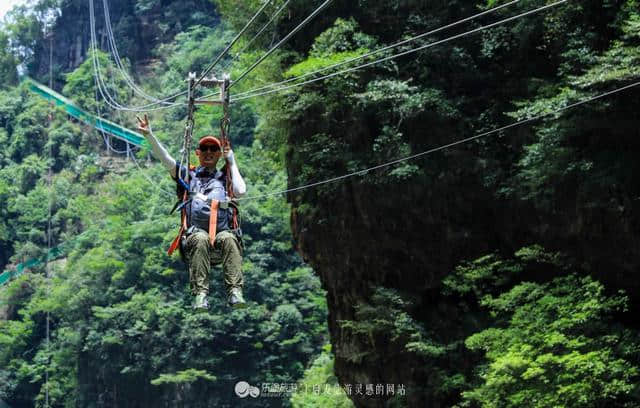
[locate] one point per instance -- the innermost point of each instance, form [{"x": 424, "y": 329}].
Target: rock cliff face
[
  {"x": 411, "y": 237},
  {"x": 406, "y": 229}
]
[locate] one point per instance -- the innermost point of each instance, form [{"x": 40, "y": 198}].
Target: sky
[{"x": 6, "y": 5}]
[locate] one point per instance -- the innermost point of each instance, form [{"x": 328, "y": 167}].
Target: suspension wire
[
  {"x": 103, "y": 89},
  {"x": 132, "y": 156},
  {"x": 109, "y": 147},
  {"x": 188, "y": 130},
  {"x": 226, "y": 50},
  {"x": 446, "y": 146},
  {"x": 246, "y": 47},
  {"x": 105, "y": 138},
  {"x": 275, "y": 47},
  {"x": 411, "y": 51},
  {"x": 49, "y": 216},
  {"x": 398, "y": 44},
  {"x": 96, "y": 67},
  {"x": 119, "y": 64}
]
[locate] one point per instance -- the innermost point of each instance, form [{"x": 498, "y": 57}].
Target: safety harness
[{"x": 188, "y": 186}]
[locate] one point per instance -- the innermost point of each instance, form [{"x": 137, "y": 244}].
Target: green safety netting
[
  {"x": 73, "y": 110},
  {"x": 54, "y": 253}
]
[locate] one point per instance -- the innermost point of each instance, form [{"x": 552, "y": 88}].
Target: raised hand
[
  {"x": 227, "y": 153},
  {"x": 143, "y": 125}
]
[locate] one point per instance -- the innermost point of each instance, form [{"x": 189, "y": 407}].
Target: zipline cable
[
  {"x": 226, "y": 50},
  {"x": 411, "y": 51},
  {"x": 96, "y": 67},
  {"x": 446, "y": 146},
  {"x": 275, "y": 47},
  {"x": 122, "y": 69},
  {"x": 105, "y": 138},
  {"x": 398, "y": 44},
  {"x": 246, "y": 47},
  {"x": 120, "y": 65},
  {"x": 132, "y": 156},
  {"x": 103, "y": 89},
  {"x": 97, "y": 80}
]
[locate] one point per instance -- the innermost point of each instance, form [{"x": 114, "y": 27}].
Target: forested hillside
[
  {"x": 476, "y": 242},
  {"x": 122, "y": 329}
]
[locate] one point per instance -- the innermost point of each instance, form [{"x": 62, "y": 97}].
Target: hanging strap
[
  {"x": 176, "y": 242},
  {"x": 186, "y": 148},
  {"x": 183, "y": 227},
  {"x": 225, "y": 124},
  {"x": 213, "y": 221}
]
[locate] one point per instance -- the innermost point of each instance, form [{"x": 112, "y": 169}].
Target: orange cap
[{"x": 208, "y": 140}]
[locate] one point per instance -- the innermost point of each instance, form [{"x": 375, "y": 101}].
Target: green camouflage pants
[{"x": 201, "y": 257}]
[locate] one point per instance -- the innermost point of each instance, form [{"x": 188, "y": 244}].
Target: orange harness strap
[
  {"x": 183, "y": 227},
  {"x": 176, "y": 242},
  {"x": 213, "y": 221}
]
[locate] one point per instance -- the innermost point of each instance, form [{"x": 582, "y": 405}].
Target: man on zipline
[{"x": 210, "y": 237}]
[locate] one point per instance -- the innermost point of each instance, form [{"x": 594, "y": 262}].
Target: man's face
[{"x": 208, "y": 154}]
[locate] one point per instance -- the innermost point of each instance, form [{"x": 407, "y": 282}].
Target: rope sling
[{"x": 184, "y": 182}]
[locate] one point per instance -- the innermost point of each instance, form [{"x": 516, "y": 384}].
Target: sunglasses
[{"x": 209, "y": 148}]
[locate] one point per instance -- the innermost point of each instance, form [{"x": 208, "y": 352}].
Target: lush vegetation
[
  {"x": 548, "y": 211},
  {"x": 497, "y": 273},
  {"x": 122, "y": 331}
]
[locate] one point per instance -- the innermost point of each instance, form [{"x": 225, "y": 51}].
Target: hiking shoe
[
  {"x": 236, "y": 300},
  {"x": 201, "y": 302}
]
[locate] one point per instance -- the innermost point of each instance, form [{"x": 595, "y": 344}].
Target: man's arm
[
  {"x": 237, "y": 182},
  {"x": 159, "y": 151}
]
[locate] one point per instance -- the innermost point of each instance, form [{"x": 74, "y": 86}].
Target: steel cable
[
  {"x": 226, "y": 50},
  {"x": 443, "y": 147},
  {"x": 275, "y": 47},
  {"x": 103, "y": 89},
  {"x": 411, "y": 51},
  {"x": 119, "y": 64},
  {"x": 246, "y": 47},
  {"x": 398, "y": 44}
]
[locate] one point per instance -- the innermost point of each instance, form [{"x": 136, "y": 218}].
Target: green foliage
[
  {"x": 550, "y": 340},
  {"x": 186, "y": 54},
  {"x": 527, "y": 330},
  {"x": 490, "y": 273},
  {"x": 343, "y": 36},
  {"x": 8, "y": 63},
  {"x": 557, "y": 348},
  {"x": 140, "y": 325},
  {"x": 556, "y": 159},
  {"x": 385, "y": 316},
  {"x": 119, "y": 306},
  {"x": 321, "y": 376},
  {"x": 313, "y": 64},
  {"x": 24, "y": 30},
  {"x": 182, "y": 377}
]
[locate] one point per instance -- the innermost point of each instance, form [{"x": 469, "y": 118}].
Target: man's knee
[
  {"x": 198, "y": 241},
  {"x": 228, "y": 241},
  {"x": 198, "y": 255}
]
